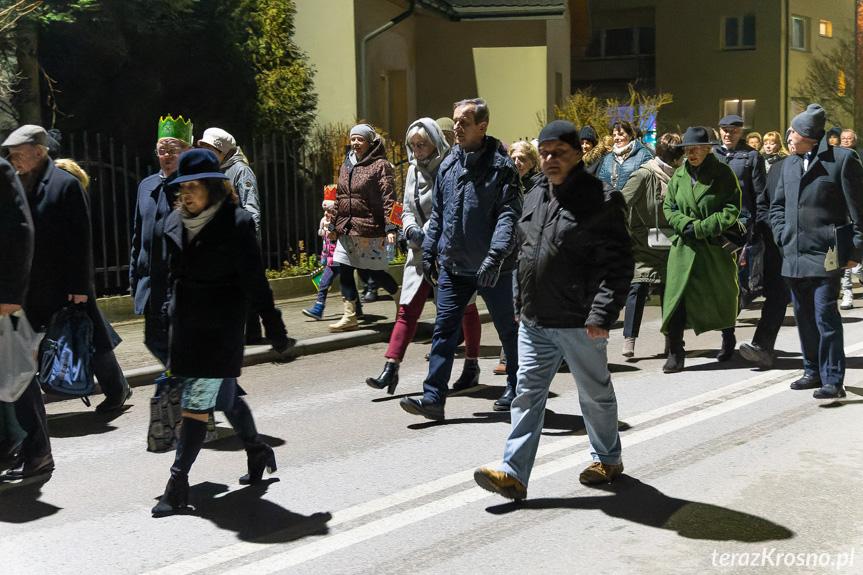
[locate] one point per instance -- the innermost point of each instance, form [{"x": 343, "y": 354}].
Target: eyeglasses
[{"x": 168, "y": 152}]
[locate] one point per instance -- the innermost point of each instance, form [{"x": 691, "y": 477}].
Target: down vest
[
  {"x": 365, "y": 196},
  {"x": 575, "y": 263}
]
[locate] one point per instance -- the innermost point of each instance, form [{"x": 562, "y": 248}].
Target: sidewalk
[{"x": 140, "y": 367}]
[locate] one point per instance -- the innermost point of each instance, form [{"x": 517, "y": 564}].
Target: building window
[
  {"x": 743, "y": 108},
  {"x": 619, "y": 42},
  {"x": 825, "y": 29},
  {"x": 799, "y": 40},
  {"x": 738, "y": 33}
]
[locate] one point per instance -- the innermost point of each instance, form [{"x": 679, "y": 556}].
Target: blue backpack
[{"x": 65, "y": 364}]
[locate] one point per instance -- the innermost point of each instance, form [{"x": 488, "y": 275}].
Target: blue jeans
[
  {"x": 819, "y": 325},
  {"x": 454, "y": 293},
  {"x": 540, "y": 352}
]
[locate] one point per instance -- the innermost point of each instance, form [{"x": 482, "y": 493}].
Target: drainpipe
[
  {"x": 786, "y": 41},
  {"x": 363, "y": 81}
]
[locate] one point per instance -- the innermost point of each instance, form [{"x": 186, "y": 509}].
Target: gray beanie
[
  {"x": 810, "y": 124},
  {"x": 364, "y": 130}
]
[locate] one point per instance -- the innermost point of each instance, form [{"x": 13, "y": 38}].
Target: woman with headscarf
[
  {"x": 364, "y": 200},
  {"x": 427, "y": 147},
  {"x": 215, "y": 274}
]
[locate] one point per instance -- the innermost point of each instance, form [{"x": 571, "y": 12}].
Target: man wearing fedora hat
[
  {"x": 818, "y": 200},
  {"x": 575, "y": 242},
  {"x": 701, "y": 202}
]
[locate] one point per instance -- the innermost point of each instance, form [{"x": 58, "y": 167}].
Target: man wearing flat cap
[
  {"x": 748, "y": 166},
  {"x": 816, "y": 216},
  {"x": 574, "y": 269},
  {"x": 61, "y": 273}
]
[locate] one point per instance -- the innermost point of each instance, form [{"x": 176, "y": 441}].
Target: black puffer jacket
[{"x": 575, "y": 264}]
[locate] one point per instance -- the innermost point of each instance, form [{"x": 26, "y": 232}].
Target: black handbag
[{"x": 733, "y": 239}]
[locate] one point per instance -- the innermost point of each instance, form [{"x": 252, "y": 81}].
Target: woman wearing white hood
[{"x": 427, "y": 147}]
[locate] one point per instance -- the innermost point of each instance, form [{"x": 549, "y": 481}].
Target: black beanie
[
  {"x": 560, "y": 130},
  {"x": 589, "y": 134}
]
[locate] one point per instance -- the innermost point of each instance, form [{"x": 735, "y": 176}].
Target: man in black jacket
[
  {"x": 16, "y": 238},
  {"x": 574, "y": 269}
]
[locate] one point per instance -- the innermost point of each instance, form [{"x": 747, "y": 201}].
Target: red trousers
[{"x": 406, "y": 326}]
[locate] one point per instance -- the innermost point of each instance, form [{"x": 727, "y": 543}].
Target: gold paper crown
[{"x": 179, "y": 128}]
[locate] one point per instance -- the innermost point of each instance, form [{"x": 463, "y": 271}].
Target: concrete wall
[{"x": 324, "y": 30}]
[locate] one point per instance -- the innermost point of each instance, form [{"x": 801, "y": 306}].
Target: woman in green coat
[{"x": 702, "y": 201}]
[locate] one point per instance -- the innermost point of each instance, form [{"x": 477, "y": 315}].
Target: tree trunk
[{"x": 27, "y": 101}]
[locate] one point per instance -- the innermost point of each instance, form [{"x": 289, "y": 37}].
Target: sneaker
[
  {"x": 757, "y": 354},
  {"x": 847, "y": 299},
  {"x": 500, "y": 483},
  {"x": 600, "y": 473}
]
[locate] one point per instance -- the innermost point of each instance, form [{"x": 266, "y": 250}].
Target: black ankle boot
[
  {"x": 175, "y": 499},
  {"x": 389, "y": 378},
  {"x": 259, "y": 459},
  {"x": 674, "y": 363},
  {"x": 729, "y": 342},
  {"x": 469, "y": 376},
  {"x": 505, "y": 400}
]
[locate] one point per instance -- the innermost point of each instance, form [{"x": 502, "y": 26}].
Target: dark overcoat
[
  {"x": 148, "y": 268},
  {"x": 805, "y": 208},
  {"x": 214, "y": 280},
  {"x": 16, "y": 237},
  {"x": 63, "y": 252}
]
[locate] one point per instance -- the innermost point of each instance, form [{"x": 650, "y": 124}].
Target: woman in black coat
[{"x": 215, "y": 267}]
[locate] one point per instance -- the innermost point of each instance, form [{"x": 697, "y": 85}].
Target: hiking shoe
[
  {"x": 500, "y": 483},
  {"x": 600, "y": 473}
]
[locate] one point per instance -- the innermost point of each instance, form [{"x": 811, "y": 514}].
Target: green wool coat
[{"x": 698, "y": 270}]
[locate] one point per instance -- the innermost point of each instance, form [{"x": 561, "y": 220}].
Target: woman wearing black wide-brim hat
[
  {"x": 702, "y": 202},
  {"x": 216, "y": 273}
]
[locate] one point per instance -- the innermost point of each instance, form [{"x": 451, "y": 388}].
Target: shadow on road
[
  {"x": 81, "y": 423},
  {"x": 228, "y": 441},
  {"x": 632, "y": 500},
  {"x": 19, "y": 502},
  {"x": 252, "y": 517}
]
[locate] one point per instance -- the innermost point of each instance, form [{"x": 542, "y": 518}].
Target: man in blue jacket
[
  {"x": 575, "y": 266},
  {"x": 477, "y": 202},
  {"x": 820, "y": 190}
]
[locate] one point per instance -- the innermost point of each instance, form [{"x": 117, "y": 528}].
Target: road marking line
[
  {"x": 408, "y": 517},
  {"x": 239, "y": 550}
]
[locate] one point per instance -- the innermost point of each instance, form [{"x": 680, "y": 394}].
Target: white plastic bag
[{"x": 18, "y": 345}]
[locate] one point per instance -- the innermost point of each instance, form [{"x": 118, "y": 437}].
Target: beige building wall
[
  {"x": 841, "y": 15},
  {"x": 324, "y": 30},
  {"x": 692, "y": 65}
]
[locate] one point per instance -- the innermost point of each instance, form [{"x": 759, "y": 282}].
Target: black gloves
[
  {"x": 415, "y": 236},
  {"x": 488, "y": 273},
  {"x": 430, "y": 271},
  {"x": 689, "y": 232}
]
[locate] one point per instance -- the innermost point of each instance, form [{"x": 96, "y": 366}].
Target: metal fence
[{"x": 290, "y": 183}]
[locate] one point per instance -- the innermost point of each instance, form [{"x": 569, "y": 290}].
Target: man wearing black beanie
[
  {"x": 574, "y": 269},
  {"x": 819, "y": 192}
]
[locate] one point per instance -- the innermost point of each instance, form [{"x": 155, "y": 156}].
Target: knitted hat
[
  {"x": 364, "y": 130},
  {"x": 589, "y": 134},
  {"x": 810, "y": 123},
  {"x": 560, "y": 130}
]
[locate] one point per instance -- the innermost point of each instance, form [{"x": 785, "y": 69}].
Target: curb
[{"x": 264, "y": 354}]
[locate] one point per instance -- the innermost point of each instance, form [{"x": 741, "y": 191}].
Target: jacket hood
[
  {"x": 595, "y": 154},
  {"x": 376, "y": 152},
  {"x": 236, "y": 156},
  {"x": 437, "y": 138}
]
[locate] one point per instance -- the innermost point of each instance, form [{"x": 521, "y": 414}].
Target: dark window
[
  {"x": 731, "y": 38},
  {"x": 647, "y": 40},
  {"x": 749, "y": 30},
  {"x": 619, "y": 42},
  {"x": 738, "y": 33}
]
